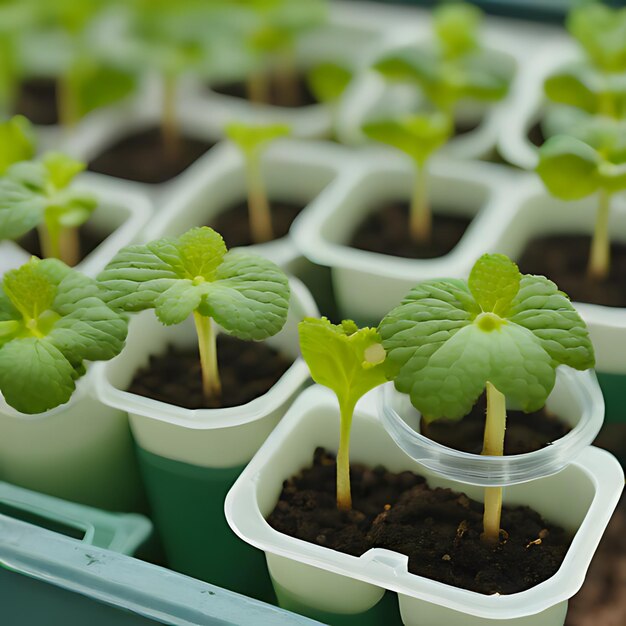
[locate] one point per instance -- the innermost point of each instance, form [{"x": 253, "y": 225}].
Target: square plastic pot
[
  {"x": 581, "y": 498},
  {"x": 121, "y": 215},
  {"x": 322, "y": 233},
  {"x": 190, "y": 458}
]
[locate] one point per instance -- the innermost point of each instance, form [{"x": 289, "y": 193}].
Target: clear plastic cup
[{"x": 576, "y": 399}]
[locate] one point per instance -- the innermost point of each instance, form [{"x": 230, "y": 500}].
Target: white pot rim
[
  {"x": 388, "y": 569},
  {"x": 208, "y": 419}
]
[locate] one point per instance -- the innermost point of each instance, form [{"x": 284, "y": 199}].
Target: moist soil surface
[
  {"x": 536, "y": 136},
  {"x": 602, "y": 599},
  {"x": 248, "y": 369},
  {"x": 563, "y": 259},
  {"x": 386, "y": 231},
  {"x": 142, "y": 157},
  {"x": 234, "y": 224},
  {"x": 525, "y": 432},
  {"x": 303, "y": 96},
  {"x": 438, "y": 529},
  {"x": 37, "y": 100},
  {"x": 89, "y": 240}
]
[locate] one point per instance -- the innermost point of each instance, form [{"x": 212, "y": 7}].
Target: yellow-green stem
[
  {"x": 169, "y": 121},
  {"x": 420, "y": 220},
  {"x": 258, "y": 87},
  {"x": 287, "y": 80},
  {"x": 57, "y": 242},
  {"x": 211, "y": 385},
  {"x": 67, "y": 101},
  {"x": 344, "y": 497},
  {"x": 258, "y": 205},
  {"x": 69, "y": 242},
  {"x": 600, "y": 255},
  {"x": 493, "y": 445}
]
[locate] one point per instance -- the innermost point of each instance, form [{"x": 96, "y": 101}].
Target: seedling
[
  {"x": 350, "y": 361},
  {"x": 453, "y": 70},
  {"x": 52, "y": 320},
  {"x": 502, "y": 331},
  {"x": 272, "y": 41},
  {"x": 17, "y": 142},
  {"x": 37, "y": 194},
  {"x": 248, "y": 296},
  {"x": 572, "y": 169},
  {"x": 419, "y": 136},
  {"x": 252, "y": 140}
]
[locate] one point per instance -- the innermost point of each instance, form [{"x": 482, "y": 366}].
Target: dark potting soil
[
  {"x": 438, "y": 529},
  {"x": 142, "y": 157},
  {"x": 564, "y": 258},
  {"x": 461, "y": 127},
  {"x": 234, "y": 224},
  {"x": 536, "y": 136},
  {"x": 525, "y": 432},
  {"x": 37, "y": 100},
  {"x": 239, "y": 89},
  {"x": 602, "y": 599},
  {"x": 89, "y": 239},
  {"x": 248, "y": 369},
  {"x": 386, "y": 231}
]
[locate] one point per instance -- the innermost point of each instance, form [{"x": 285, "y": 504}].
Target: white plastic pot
[
  {"x": 80, "y": 451},
  {"x": 581, "y": 498},
  {"x": 203, "y": 437},
  {"x": 122, "y": 211},
  {"x": 368, "y": 285},
  {"x": 293, "y": 170}
]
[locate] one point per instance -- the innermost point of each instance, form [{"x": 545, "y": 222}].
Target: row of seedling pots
[{"x": 331, "y": 556}]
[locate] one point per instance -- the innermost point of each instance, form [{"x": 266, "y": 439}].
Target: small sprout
[
  {"x": 584, "y": 87},
  {"x": 252, "y": 140},
  {"x": 248, "y": 296},
  {"x": 17, "y": 142},
  {"x": 350, "y": 361},
  {"x": 601, "y": 31},
  {"x": 37, "y": 194},
  {"x": 52, "y": 320},
  {"x": 502, "y": 331},
  {"x": 455, "y": 69},
  {"x": 327, "y": 81},
  {"x": 419, "y": 136},
  {"x": 573, "y": 168}
]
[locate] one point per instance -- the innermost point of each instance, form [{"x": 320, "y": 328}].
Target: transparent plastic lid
[{"x": 576, "y": 399}]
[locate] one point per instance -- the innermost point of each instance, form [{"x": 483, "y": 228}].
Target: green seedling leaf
[
  {"x": 52, "y": 320},
  {"x": 350, "y": 361},
  {"x": 17, "y": 142},
  {"x": 251, "y": 138},
  {"x": 38, "y": 194},
  {"x": 418, "y": 135},
  {"x": 448, "y": 338},
  {"x": 601, "y": 31},
  {"x": 456, "y": 26},
  {"x": 328, "y": 81},
  {"x": 195, "y": 274}
]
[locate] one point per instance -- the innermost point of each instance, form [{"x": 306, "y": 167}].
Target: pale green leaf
[
  {"x": 177, "y": 303},
  {"x": 348, "y": 360},
  {"x": 457, "y": 26},
  {"x": 250, "y": 138},
  {"x": 494, "y": 281},
  {"x": 61, "y": 169},
  {"x": 202, "y": 251},
  {"x": 17, "y": 142},
  {"x": 327, "y": 81}
]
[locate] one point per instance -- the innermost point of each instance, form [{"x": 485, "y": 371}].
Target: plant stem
[
  {"x": 211, "y": 385},
  {"x": 49, "y": 240},
  {"x": 420, "y": 220},
  {"x": 344, "y": 497},
  {"x": 257, "y": 87},
  {"x": 258, "y": 204},
  {"x": 287, "y": 80},
  {"x": 67, "y": 101},
  {"x": 169, "y": 120},
  {"x": 600, "y": 255},
  {"x": 493, "y": 445},
  {"x": 69, "y": 244}
]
